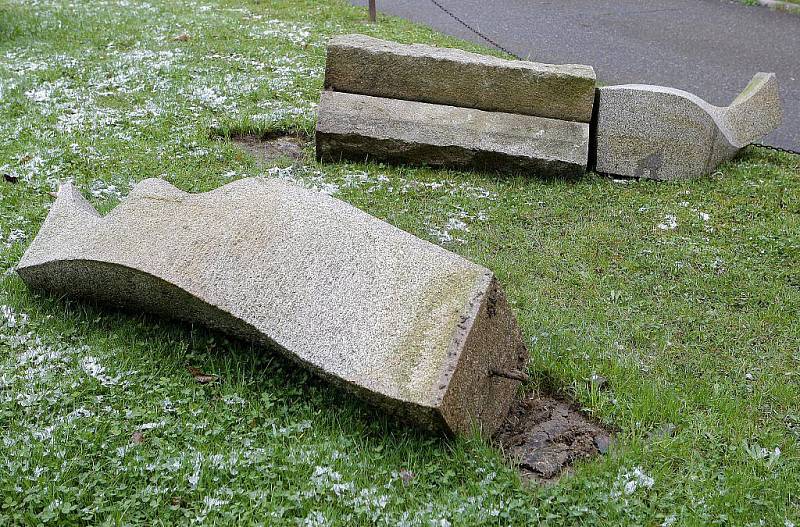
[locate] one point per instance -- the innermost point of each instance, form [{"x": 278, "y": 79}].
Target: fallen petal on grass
[{"x": 200, "y": 377}]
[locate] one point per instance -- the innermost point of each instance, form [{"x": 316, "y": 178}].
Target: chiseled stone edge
[
  {"x": 455, "y": 410},
  {"x": 418, "y": 72},
  {"x": 493, "y": 325}
]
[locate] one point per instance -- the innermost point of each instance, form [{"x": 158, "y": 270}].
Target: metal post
[{"x": 373, "y": 11}]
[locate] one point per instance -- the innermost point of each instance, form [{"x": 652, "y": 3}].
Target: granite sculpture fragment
[
  {"x": 663, "y": 133},
  {"x": 360, "y": 127},
  {"x": 453, "y": 77},
  {"x": 400, "y": 321}
]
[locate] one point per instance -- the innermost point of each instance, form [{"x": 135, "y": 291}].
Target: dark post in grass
[{"x": 373, "y": 11}]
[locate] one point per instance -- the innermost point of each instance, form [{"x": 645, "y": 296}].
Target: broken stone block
[
  {"x": 398, "y": 320},
  {"x": 416, "y": 72},
  {"x": 358, "y": 127},
  {"x": 664, "y": 133}
]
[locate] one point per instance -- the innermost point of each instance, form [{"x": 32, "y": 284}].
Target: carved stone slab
[
  {"x": 400, "y": 321},
  {"x": 359, "y": 127},
  {"x": 416, "y": 72}
]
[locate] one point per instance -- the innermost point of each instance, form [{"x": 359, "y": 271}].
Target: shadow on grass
[
  {"x": 542, "y": 437},
  {"x": 259, "y": 369}
]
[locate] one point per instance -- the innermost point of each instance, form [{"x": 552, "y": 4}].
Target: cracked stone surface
[
  {"x": 401, "y": 322},
  {"x": 663, "y": 133},
  {"x": 452, "y": 77}
]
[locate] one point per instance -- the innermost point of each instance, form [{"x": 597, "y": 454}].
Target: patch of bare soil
[
  {"x": 545, "y": 436},
  {"x": 273, "y": 148}
]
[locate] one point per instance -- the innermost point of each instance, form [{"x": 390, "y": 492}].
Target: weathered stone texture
[
  {"x": 754, "y": 113},
  {"x": 402, "y": 322},
  {"x": 357, "y": 127},
  {"x": 416, "y": 72},
  {"x": 664, "y": 133}
]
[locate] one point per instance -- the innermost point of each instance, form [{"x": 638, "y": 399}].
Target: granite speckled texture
[
  {"x": 417, "y": 72},
  {"x": 664, "y": 133},
  {"x": 400, "y": 321},
  {"x": 358, "y": 127}
]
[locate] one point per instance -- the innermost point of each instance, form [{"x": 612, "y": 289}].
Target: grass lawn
[
  {"x": 755, "y": 2},
  {"x": 685, "y": 296}
]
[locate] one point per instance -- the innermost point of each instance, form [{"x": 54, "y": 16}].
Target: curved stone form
[
  {"x": 402, "y": 322},
  {"x": 664, "y": 133}
]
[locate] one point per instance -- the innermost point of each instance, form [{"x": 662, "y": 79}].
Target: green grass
[
  {"x": 755, "y": 2},
  {"x": 696, "y": 326}
]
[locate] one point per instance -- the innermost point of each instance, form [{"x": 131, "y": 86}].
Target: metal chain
[
  {"x": 505, "y": 50},
  {"x": 776, "y": 148},
  {"x": 469, "y": 27}
]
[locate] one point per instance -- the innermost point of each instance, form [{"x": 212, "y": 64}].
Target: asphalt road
[{"x": 711, "y": 48}]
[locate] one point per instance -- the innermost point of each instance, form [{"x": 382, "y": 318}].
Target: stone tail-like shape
[
  {"x": 664, "y": 133},
  {"x": 401, "y": 322}
]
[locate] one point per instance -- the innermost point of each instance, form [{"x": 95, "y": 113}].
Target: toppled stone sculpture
[
  {"x": 400, "y": 321},
  {"x": 453, "y": 77},
  {"x": 664, "y": 133},
  {"x": 419, "y": 104},
  {"x": 356, "y": 126}
]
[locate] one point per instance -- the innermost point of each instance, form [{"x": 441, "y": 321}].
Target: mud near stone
[
  {"x": 545, "y": 436},
  {"x": 273, "y": 148}
]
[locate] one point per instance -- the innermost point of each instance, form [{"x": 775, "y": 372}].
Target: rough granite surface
[
  {"x": 357, "y": 127},
  {"x": 400, "y": 321},
  {"x": 664, "y": 133},
  {"x": 417, "y": 72}
]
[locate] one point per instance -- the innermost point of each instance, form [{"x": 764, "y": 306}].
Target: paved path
[{"x": 709, "y": 47}]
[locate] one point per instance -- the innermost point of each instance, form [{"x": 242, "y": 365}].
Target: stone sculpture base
[
  {"x": 419, "y": 104},
  {"x": 453, "y": 77}
]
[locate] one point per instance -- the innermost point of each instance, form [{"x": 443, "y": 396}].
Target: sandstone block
[
  {"x": 664, "y": 133},
  {"x": 400, "y": 321},
  {"x": 416, "y": 72},
  {"x": 357, "y": 127}
]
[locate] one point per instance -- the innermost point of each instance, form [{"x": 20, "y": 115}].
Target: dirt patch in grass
[
  {"x": 545, "y": 436},
  {"x": 274, "y": 147}
]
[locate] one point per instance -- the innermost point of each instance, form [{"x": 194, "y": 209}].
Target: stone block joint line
[
  {"x": 505, "y": 50},
  {"x": 491, "y": 113}
]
